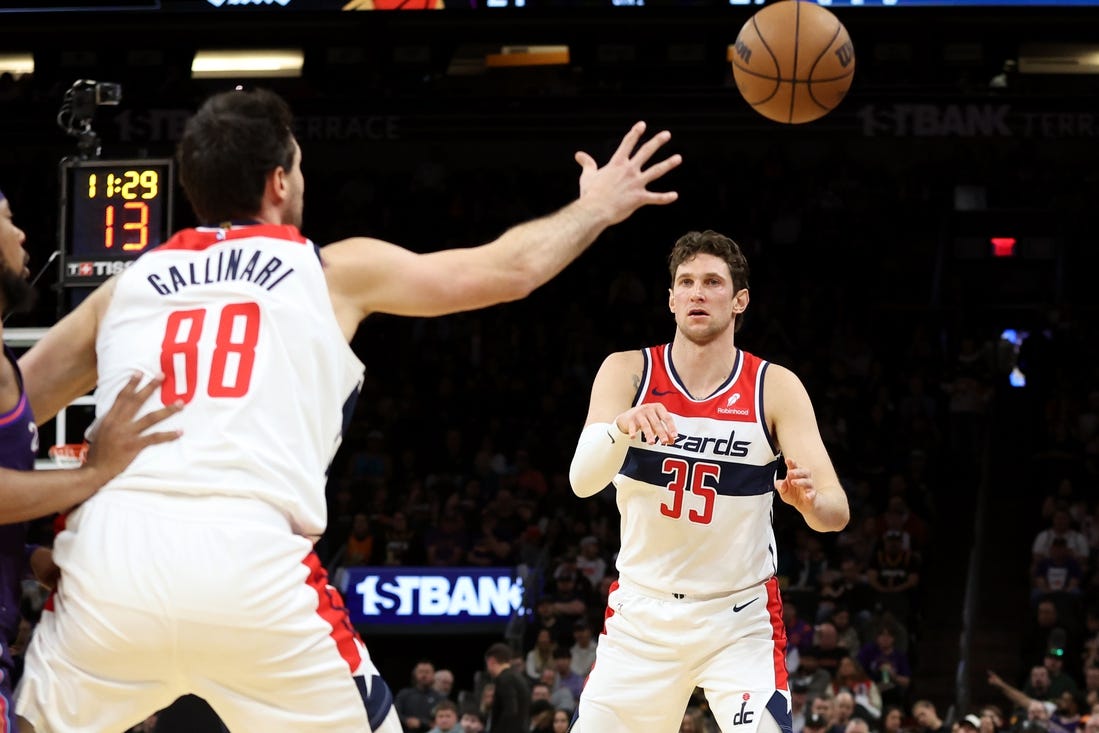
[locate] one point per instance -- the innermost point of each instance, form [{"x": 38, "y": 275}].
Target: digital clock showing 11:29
[{"x": 118, "y": 208}]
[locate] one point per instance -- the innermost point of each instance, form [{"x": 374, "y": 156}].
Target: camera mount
[{"x": 78, "y": 108}]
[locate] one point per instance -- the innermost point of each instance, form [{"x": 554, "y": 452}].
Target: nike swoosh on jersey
[
  {"x": 742, "y": 606},
  {"x": 661, "y": 393}
]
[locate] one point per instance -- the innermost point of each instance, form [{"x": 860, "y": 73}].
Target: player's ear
[
  {"x": 671, "y": 300},
  {"x": 740, "y": 301},
  {"x": 278, "y": 185}
]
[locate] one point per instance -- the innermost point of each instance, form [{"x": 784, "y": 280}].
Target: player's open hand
[
  {"x": 120, "y": 436},
  {"x": 651, "y": 421},
  {"x": 797, "y": 488},
  {"x": 620, "y": 187}
]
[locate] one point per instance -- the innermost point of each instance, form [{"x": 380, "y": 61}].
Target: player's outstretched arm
[
  {"x": 368, "y": 275},
  {"x": 120, "y": 437},
  {"x": 811, "y": 485}
]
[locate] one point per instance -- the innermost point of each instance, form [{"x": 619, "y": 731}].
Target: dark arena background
[{"x": 922, "y": 256}]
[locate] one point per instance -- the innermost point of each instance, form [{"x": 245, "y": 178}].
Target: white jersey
[
  {"x": 696, "y": 515},
  {"x": 240, "y": 322}
]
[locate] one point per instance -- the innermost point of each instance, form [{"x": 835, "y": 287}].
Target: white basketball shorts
[{"x": 657, "y": 647}]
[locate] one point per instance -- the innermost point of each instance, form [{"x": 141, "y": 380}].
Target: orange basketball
[{"x": 793, "y": 61}]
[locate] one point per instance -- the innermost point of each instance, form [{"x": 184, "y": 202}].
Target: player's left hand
[
  {"x": 44, "y": 568},
  {"x": 797, "y": 488}
]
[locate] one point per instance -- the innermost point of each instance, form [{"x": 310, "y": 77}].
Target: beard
[{"x": 16, "y": 294}]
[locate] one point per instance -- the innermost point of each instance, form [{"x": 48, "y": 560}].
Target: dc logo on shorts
[{"x": 745, "y": 716}]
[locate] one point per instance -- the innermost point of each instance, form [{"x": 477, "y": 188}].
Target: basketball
[{"x": 793, "y": 61}]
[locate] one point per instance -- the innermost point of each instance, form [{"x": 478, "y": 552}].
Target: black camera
[{"x": 78, "y": 109}]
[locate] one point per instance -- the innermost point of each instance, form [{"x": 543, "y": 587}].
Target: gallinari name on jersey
[{"x": 220, "y": 266}]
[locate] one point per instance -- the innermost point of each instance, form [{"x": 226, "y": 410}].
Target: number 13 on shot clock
[{"x": 116, "y": 210}]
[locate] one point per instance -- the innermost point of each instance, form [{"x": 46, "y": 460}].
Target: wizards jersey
[
  {"x": 240, "y": 322},
  {"x": 696, "y": 515}
]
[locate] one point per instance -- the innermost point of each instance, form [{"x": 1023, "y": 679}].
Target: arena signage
[{"x": 408, "y": 597}]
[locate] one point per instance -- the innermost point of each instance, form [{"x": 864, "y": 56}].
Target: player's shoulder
[{"x": 624, "y": 361}]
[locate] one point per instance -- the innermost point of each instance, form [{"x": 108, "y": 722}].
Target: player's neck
[{"x": 703, "y": 367}]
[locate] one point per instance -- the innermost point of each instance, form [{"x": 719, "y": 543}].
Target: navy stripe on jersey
[
  {"x": 759, "y": 406},
  {"x": 734, "y": 479}
]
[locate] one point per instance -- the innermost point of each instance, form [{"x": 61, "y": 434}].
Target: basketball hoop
[{"x": 69, "y": 455}]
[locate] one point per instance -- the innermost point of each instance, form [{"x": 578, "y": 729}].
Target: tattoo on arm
[{"x": 636, "y": 381}]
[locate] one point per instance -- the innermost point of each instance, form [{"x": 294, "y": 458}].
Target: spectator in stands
[
  {"x": 843, "y": 709},
  {"x": 473, "y": 721},
  {"x": 566, "y": 675},
  {"x": 583, "y": 648},
  {"x": 850, "y": 677},
  {"x": 857, "y": 725},
  {"x": 799, "y": 706},
  {"x": 447, "y": 543},
  {"x": 561, "y": 697},
  {"x": 810, "y": 674},
  {"x": 509, "y": 711},
  {"x": 540, "y": 657},
  {"x": 443, "y": 682},
  {"x": 826, "y": 648},
  {"x": 846, "y": 634},
  {"x": 887, "y": 666},
  {"x": 1060, "y": 526},
  {"x": 894, "y": 575},
  {"x": 361, "y": 543},
  {"x": 816, "y": 723},
  {"x": 1038, "y": 682},
  {"x": 415, "y": 704},
  {"x": 1058, "y": 573},
  {"x": 892, "y": 719},
  {"x": 445, "y": 716},
  {"x": 992, "y": 719},
  {"x": 799, "y": 632},
  {"x": 1059, "y": 680},
  {"x": 562, "y": 719},
  {"x": 590, "y": 563},
  {"x": 927, "y": 717},
  {"x": 541, "y": 716}
]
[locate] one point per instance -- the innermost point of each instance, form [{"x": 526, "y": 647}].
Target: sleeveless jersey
[
  {"x": 240, "y": 322},
  {"x": 696, "y": 515},
  {"x": 18, "y": 447}
]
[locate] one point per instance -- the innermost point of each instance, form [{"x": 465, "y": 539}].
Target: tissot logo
[
  {"x": 95, "y": 268},
  {"x": 219, "y": 3}
]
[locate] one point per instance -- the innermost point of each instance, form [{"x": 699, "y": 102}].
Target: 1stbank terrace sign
[{"x": 474, "y": 599}]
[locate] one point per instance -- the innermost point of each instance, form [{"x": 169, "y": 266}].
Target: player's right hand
[
  {"x": 119, "y": 436},
  {"x": 620, "y": 186},
  {"x": 652, "y": 421}
]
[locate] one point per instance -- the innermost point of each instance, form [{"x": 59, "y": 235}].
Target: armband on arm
[{"x": 599, "y": 454}]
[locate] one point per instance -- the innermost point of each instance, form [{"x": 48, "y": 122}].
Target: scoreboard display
[{"x": 114, "y": 211}]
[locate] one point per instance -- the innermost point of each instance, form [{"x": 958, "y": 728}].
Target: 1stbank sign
[{"x": 474, "y": 599}]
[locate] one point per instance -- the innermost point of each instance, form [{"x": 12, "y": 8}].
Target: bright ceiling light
[
  {"x": 16, "y": 64},
  {"x": 251, "y": 63}
]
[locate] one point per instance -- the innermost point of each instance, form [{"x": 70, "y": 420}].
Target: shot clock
[{"x": 116, "y": 210}]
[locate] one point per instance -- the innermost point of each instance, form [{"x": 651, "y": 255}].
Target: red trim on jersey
[
  {"x": 4, "y": 710},
  {"x": 610, "y": 611},
  {"x": 734, "y": 401},
  {"x": 200, "y": 239},
  {"x": 16, "y": 412},
  {"x": 48, "y": 605},
  {"x": 778, "y": 633},
  {"x": 330, "y": 607}
]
